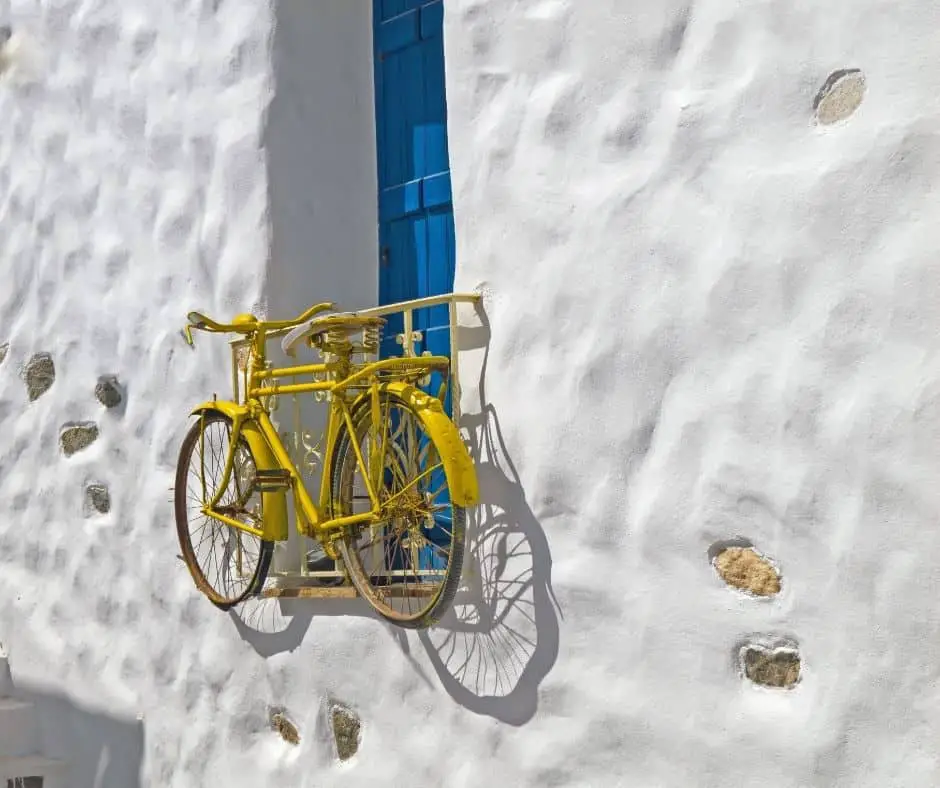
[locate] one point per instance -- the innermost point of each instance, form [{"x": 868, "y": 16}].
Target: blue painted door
[{"x": 416, "y": 220}]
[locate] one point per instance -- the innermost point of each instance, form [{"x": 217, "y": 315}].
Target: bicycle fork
[{"x": 272, "y": 482}]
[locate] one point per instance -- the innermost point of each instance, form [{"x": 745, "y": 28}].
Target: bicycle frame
[{"x": 277, "y": 471}]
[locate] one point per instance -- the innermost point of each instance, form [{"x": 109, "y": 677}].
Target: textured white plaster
[
  {"x": 706, "y": 318},
  {"x": 710, "y": 318}
]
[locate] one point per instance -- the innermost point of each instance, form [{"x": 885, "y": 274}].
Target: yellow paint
[
  {"x": 458, "y": 465},
  {"x": 349, "y": 388},
  {"x": 273, "y": 504}
]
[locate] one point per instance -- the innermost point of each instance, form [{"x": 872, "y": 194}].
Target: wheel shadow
[
  {"x": 275, "y": 626},
  {"x": 500, "y": 639}
]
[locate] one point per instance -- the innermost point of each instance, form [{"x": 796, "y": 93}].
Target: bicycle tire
[
  {"x": 344, "y": 466},
  {"x": 262, "y": 562}
]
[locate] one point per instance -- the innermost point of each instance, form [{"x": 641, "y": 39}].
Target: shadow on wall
[
  {"x": 500, "y": 639},
  {"x": 273, "y": 626},
  {"x": 319, "y": 141},
  {"x": 101, "y": 751}
]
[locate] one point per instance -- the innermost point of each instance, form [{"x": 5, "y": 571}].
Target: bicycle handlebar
[{"x": 247, "y": 324}]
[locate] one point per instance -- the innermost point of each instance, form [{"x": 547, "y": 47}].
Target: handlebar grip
[{"x": 203, "y": 323}]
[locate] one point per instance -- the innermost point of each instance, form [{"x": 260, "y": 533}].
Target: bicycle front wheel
[
  {"x": 408, "y": 566},
  {"x": 226, "y": 564}
]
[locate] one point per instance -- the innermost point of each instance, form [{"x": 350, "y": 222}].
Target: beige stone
[
  {"x": 744, "y": 568},
  {"x": 840, "y": 96},
  {"x": 285, "y": 728}
]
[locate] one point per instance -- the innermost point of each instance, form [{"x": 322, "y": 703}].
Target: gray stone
[
  {"x": 98, "y": 498},
  {"x": 346, "y": 727},
  {"x": 75, "y": 437},
  {"x": 108, "y": 391},
  {"x": 39, "y": 375},
  {"x": 4, "y": 349},
  {"x": 771, "y": 667}
]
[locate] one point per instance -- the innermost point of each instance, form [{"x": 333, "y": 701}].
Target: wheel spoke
[
  {"x": 406, "y": 565},
  {"x": 224, "y": 558}
]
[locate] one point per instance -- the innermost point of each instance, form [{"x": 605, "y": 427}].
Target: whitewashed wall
[
  {"x": 704, "y": 317},
  {"x": 133, "y": 189},
  {"x": 710, "y": 318}
]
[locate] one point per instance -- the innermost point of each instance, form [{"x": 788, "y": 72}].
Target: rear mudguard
[
  {"x": 458, "y": 466},
  {"x": 273, "y": 504}
]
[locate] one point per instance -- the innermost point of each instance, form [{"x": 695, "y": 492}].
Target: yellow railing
[{"x": 406, "y": 339}]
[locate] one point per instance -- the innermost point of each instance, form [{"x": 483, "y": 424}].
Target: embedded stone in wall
[
  {"x": 4, "y": 349},
  {"x": 39, "y": 375},
  {"x": 108, "y": 391},
  {"x": 76, "y": 437},
  {"x": 778, "y": 667},
  {"x": 346, "y": 727},
  {"x": 6, "y": 56},
  {"x": 744, "y": 568},
  {"x": 285, "y": 727},
  {"x": 98, "y": 498},
  {"x": 840, "y": 96}
]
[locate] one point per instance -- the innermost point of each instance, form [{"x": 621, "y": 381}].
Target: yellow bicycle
[{"x": 396, "y": 482}]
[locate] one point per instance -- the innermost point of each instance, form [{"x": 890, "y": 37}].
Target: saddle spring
[{"x": 371, "y": 339}]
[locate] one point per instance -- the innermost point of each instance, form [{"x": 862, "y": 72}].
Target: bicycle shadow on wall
[
  {"x": 500, "y": 638},
  {"x": 274, "y": 626}
]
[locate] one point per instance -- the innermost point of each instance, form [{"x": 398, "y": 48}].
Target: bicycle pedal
[{"x": 272, "y": 480}]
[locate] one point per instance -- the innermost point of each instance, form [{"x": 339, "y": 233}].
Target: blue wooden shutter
[{"x": 416, "y": 219}]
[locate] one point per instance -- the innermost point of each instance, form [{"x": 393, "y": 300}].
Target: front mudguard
[
  {"x": 458, "y": 466},
  {"x": 274, "y": 503}
]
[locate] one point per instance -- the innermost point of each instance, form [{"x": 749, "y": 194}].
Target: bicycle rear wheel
[
  {"x": 408, "y": 567},
  {"x": 226, "y": 564}
]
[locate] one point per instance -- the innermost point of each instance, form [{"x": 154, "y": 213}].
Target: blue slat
[
  {"x": 441, "y": 263},
  {"x": 435, "y": 110},
  {"x": 386, "y": 9},
  {"x": 421, "y": 259},
  {"x": 392, "y": 8},
  {"x": 400, "y": 201},
  {"x": 397, "y": 33},
  {"x": 402, "y": 145},
  {"x": 432, "y": 20},
  {"x": 436, "y": 191}
]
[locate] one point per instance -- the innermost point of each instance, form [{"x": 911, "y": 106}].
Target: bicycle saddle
[{"x": 347, "y": 322}]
